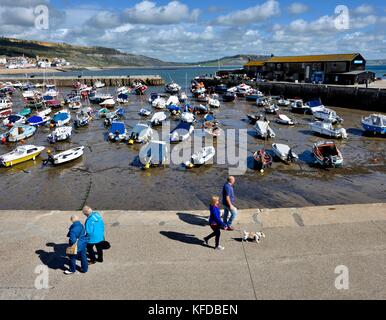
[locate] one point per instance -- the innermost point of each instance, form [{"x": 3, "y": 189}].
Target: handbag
[
  {"x": 104, "y": 245},
  {"x": 72, "y": 250}
]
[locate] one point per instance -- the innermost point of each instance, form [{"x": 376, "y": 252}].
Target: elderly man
[
  {"x": 77, "y": 234},
  {"x": 95, "y": 230},
  {"x": 228, "y": 201}
]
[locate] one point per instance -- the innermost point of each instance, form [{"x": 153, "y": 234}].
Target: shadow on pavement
[
  {"x": 56, "y": 259},
  {"x": 193, "y": 219},
  {"x": 182, "y": 237}
]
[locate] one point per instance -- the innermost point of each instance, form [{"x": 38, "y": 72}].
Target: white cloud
[
  {"x": 257, "y": 13},
  {"x": 364, "y": 9},
  {"x": 297, "y": 8}
]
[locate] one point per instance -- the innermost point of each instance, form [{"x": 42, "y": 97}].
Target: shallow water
[{"x": 108, "y": 176}]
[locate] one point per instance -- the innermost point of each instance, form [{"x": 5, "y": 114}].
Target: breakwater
[{"x": 111, "y": 81}]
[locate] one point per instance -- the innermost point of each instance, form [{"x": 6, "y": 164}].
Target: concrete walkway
[{"x": 159, "y": 255}]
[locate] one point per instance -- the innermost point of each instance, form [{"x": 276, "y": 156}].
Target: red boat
[
  {"x": 5, "y": 113},
  {"x": 262, "y": 159},
  {"x": 53, "y": 103}
]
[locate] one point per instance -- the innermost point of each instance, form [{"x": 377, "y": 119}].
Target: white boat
[
  {"x": 99, "y": 84},
  {"x": 144, "y": 112},
  {"x": 108, "y": 103},
  {"x": 183, "y": 97},
  {"x": 18, "y": 132},
  {"x": 173, "y": 100},
  {"x": 154, "y": 153},
  {"x": 283, "y": 119},
  {"x": 214, "y": 102},
  {"x": 283, "y": 102},
  {"x": 30, "y": 94},
  {"x": 188, "y": 117},
  {"x": 20, "y": 154},
  {"x": 326, "y": 114},
  {"x": 14, "y": 119},
  {"x": 272, "y": 108},
  {"x": 172, "y": 88},
  {"x": 263, "y": 130},
  {"x": 327, "y": 129},
  {"x": 201, "y": 157},
  {"x": 51, "y": 93},
  {"x": 181, "y": 133},
  {"x": 66, "y": 156},
  {"x": 45, "y": 112},
  {"x": 374, "y": 123},
  {"x": 61, "y": 118},
  {"x": 123, "y": 90},
  {"x": 60, "y": 134},
  {"x": 298, "y": 106},
  {"x": 327, "y": 154},
  {"x": 75, "y": 105},
  {"x": 158, "y": 118},
  {"x": 140, "y": 133},
  {"x": 284, "y": 152},
  {"x": 159, "y": 103},
  {"x": 5, "y": 104}
]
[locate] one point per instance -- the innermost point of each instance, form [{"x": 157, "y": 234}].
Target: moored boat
[
  {"x": 117, "y": 131},
  {"x": 182, "y": 132},
  {"x": 65, "y": 156},
  {"x": 284, "y": 153},
  {"x": 20, "y": 154},
  {"x": 60, "y": 134},
  {"x": 201, "y": 157},
  {"x": 140, "y": 133},
  {"x": 38, "y": 120},
  {"x": 324, "y": 128},
  {"x": 158, "y": 118},
  {"x": 327, "y": 154},
  {"x": 283, "y": 119},
  {"x": 263, "y": 130},
  {"x": 262, "y": 159},
  {"x": 155, "y": 153},
  {"x": 374, "y": 123},
  {"x": 18, "y": 132}
]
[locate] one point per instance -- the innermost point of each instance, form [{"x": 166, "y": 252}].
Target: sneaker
[
  {"x": 206, "y": 241},
  {"x": 68, "y": 272},
  {"x": 219, "y": 248},
  {"x": 100, "y": 260}
]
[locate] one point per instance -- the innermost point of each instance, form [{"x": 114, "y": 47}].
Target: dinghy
[
  {"x": 181, "y": 133},
  {"x": 201, "y": 109},
  {"x": 82, "y": 119},
  {"x": 61, "y": 118},
  {"x": 283, "y": 119},
  {"x": 66, "y": 156},
  {"x": 201, "y": 157},
  {"x": 144, "y": 112},
  {"x": 263, "y": 130},
  {"x": 262, "y": 159},
  {"x": 37, "y": 121},
  {"x": 158, "y": 118},
  {"x": 374, "y": 123},
  {"x": 60, "y": 134},
  {"x": 20, "y": 154},
  {"x": 14, "y": 119},
  {"x": 17, "y": 133},
  {"x": 284, "y": 153},
  {"x": 117, "y": 131},
  {"x": 140, "y": 133},
  {"x": 102, "y": 112},
  {"x": 327, "y": 154},
  {"x": 327, "y": 129},
  {"x": 155, "y": 153}
]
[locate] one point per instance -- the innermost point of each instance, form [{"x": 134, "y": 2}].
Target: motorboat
[
  {"x": 283, "y": 102},
  {"x": 5, "y": 113},
  {"x": 315, "y": 105},
  {"x": 284, "y": 153},
  {"x": 283, "y": 119},
  {"x": 229, "y": 97},
  {"x": 173, "y": 100},
  {"x": 5, "y": 104},
  {"x": 262, "y": 102},
  {"x": 117, "y": 131},
  {"x": 202, "y": 98},
  {"x": 327, "y": 154},
  {"x": 44, "y": 112},
  {"x": 214, "y": 102},
  {"x": 159, "y": 103},
  {"x": 53, "y": 103},
  {"x": 172, "y": 88},
  {"x": 158, "y": 118},
  {"x": 17, "y": 133},
  {"x": 263, "y": 130},
  {"x": 211, "y": 128},
  {"x": 99, "y": 84},
  {"x": 201, "y": 157},
  {"x": 327, "y": 115},
  {"x": 82, "y": 119},
  {"x": 182, "y": 132},
  {"x": 254, "y": 95},
  {"x": 102, "y": 112},
  {"x": 60, "y": 134},
  {"x": 253, "y": 118},
  {"x": 174, "y": 109},
  {"x": 188, "y": 117},
  {"x": 374, "y": 123},
  {"x": 123, "y": 98},
  {"x": 65, "y": 156},
  {"x": 140, "y": 133},
  {"x": 262, "y": 159},
  {"x": 298, "y": 106},
  {"x": 271, "y": 109},
  {"x": 37, "y": 120},
  {"x": 123, "y": 90},
  {"x": 325, "y": 128},
  {"x": 25, "y": 112},
  {"x": 14, "y": 119},
  {"x": 20, "y": 154},
  {"x": 108, "y": 103},
  {"x": 154, "y": 153},
  {"x": 144, "y": 112},
  {"x": 61, "y": 118},
  {"x": 75, "y": 105},
  {"x": 51, "y": 92},
  {"x": 98, "y": 98},
  {"x": 183, "y": 97}
]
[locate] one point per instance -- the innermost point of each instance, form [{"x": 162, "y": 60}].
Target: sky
[{"x": 191, "y": 31}]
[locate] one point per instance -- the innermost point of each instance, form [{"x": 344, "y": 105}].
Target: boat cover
[{"x": 117, "y": 127}]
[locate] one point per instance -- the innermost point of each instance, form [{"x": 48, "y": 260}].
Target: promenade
[{"x": 159, "y": 255}]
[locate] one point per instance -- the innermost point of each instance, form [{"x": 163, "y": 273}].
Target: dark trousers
[
  {"x": 83, "y": 260},
  {"x": 216, "y": 233},
  {"x": 91, "y": 252}
]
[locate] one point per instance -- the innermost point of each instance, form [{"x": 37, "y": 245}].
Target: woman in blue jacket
[
  {"x": 216, "y": 223},
  {"x": 76, "y": 233},
  {"x": 95, "y": 229}
]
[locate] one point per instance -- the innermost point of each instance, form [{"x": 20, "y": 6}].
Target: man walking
[
  {"x": 95, "y": 230},
  {"x": 228, "y": 201}
]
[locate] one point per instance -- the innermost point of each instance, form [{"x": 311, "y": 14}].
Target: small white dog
[{"x": 254, "y": 236}]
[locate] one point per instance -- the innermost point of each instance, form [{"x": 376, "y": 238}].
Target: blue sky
[{"x": 187, "y": 30}]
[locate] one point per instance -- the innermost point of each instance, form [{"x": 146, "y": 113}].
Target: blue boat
[
  {"x": 374, "y": 123},
  {"x": 48, "y": 98},
  {"x": 38, "y": 121},
  {"x": 18, "y": 133},
  {"x": 117, "y": 131},
  {"x": 61, "y": 118},
  {"x": 174, "y": 109},
  {"x": 120, "y": 112}
]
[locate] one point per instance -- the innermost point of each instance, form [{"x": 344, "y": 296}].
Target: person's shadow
[
  {"x": 182, "y": 237},
  {"x": 56, "y": 259},
  {"x": 193, "y": 219}
]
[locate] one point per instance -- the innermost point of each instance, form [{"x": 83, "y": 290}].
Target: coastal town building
[{"x": 346, "y": 69}]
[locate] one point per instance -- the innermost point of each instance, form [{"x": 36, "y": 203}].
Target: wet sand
[{"x": 108, "y": 177}]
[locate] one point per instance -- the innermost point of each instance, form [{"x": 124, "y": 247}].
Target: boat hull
[{"x": 11, "y": 163}]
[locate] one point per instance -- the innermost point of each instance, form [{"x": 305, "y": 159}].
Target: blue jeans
[
  {"x": 83, "y": 260},
  {"x": 233, "y": 215}
]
